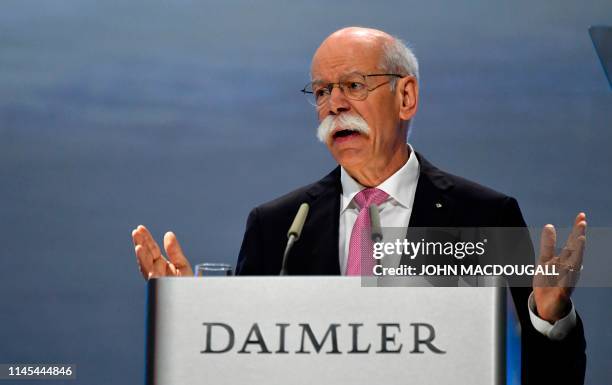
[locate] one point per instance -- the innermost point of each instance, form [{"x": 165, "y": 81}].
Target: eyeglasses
[{"x": 354, "y": 86}]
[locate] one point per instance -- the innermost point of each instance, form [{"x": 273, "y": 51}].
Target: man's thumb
[{"x": 174, "y": 251}]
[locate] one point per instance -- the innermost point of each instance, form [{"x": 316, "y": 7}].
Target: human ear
[{"x": 408, "y": 92}]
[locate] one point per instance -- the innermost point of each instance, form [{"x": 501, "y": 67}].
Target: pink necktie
[{"x": 360, "y": 259}]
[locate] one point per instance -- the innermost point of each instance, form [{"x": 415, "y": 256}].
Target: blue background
[{"x": 184, "y": 115}]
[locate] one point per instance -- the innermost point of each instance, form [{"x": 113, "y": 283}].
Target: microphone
[
  {"x": 375, "y": 223},
  {"x": 294, "y": 233}
]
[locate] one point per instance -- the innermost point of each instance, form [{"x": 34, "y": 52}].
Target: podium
[{"x": 327, "y": 330}]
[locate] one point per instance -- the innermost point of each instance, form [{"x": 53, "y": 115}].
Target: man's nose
[{"x": 338, "y": 102}]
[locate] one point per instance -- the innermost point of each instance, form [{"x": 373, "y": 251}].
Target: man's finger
[
  {"x": 175, "y": 254},
  {"x": 576, "y": 245},
  {"x": 548, "y": 240},
  {"x": 150, "y": 260},
  {"x": 573, "y": 244},
  {"x": 143, "y": 237},
  {"x": 137, "y": 237},
  {"x": 171, "y": 269},
  {"x": 579, "y": 227},
  {"x": 147, "y": 241},
  {"x": 578, "y": 230},
  {"x": 160, "y": 267},
  {"x": 145, "y": 261}
]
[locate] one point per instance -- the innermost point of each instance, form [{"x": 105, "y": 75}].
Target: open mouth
[{"x": 344, "y": 134}]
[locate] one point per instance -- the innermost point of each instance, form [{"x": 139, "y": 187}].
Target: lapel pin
[{"x": 438, "y": 205}]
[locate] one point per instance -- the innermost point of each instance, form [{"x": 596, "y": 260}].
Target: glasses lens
[
  {"x": 308, "y": 93},
  {"x": 355, "y": 87}
]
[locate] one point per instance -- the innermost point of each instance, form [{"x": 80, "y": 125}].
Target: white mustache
[{"x": 341, "y": 122}]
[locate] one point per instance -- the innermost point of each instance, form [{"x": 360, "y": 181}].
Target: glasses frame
[{"x": 331, "y": 86}]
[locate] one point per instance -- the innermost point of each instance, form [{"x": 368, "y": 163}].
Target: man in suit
[{"x": 365, "y": 90}]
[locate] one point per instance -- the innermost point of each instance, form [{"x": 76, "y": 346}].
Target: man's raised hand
[
  {"x": 552, "y": 299},
  {"x": 152, "y": 262}
]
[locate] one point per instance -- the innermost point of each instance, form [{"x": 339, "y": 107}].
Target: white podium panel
[{"x": 322, "y": 330}]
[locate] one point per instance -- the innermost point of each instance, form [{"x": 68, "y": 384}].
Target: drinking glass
[{"x": 213, "y": 270}]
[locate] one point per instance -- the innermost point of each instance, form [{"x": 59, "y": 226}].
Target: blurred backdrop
[{"x": 184, "y": 115}]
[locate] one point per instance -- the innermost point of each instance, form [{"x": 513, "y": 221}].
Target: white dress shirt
[{"x": 395, "y": 213}]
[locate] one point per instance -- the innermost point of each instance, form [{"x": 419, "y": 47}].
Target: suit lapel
[
  {"x": 432, "y": 207},
  {"x": 323, "y": 224}
]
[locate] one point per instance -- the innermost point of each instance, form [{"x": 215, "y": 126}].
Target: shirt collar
[{"x": 401, "y": 186}]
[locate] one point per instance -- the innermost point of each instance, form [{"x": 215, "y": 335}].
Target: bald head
[
  {"x": 366, "y": 42},
  {"x": 367, "y": 38},
  {"x": 389, "y": 52}
]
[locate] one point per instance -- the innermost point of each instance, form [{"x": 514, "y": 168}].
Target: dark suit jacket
[{"x": 463, "y": 204}]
